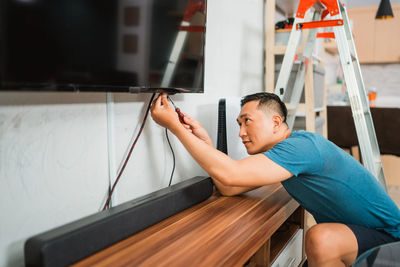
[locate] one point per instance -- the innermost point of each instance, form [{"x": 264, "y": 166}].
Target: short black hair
[{"x": 269, "y": 100}]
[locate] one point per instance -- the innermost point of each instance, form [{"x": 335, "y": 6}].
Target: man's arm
[
  {"x": 232, "y": 190},
  {"x": 198, "y": 130},
  {"x": 254, "y": 171}
]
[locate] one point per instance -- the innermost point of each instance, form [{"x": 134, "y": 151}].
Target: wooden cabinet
[
  {"x": 253, "y": 229},
  {"x": 377, "y": 41}
]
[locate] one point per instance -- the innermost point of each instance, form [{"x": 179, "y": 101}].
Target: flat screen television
[{"x": 101, "y": 45}]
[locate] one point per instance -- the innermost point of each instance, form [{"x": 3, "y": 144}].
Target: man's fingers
[
  {"x": 156, "y": 103},
  {"x": 188, "y": 116},
  {"x": 159, "y": 102},
  {"x": 190, "y": 119},
  {"x": 164, "y": 100},
  {"x": 187, "y": 119},
  {"x": 192, "y": 122}
]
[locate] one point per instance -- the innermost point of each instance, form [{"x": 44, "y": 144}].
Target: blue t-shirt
[{"x": 332, "y": 185}]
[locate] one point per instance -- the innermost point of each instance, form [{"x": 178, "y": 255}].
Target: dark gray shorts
[{"x": 368, "y": 238}]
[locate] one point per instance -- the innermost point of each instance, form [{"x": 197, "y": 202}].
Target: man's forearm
[
  {"x": 232, "y": 190},
  {"x": 217, "y": 164}
]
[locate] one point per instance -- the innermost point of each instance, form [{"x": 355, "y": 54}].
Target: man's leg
[{"x": 331, "y": 244}]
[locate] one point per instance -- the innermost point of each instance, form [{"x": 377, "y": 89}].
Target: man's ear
[{"x": 277, "y": 122}]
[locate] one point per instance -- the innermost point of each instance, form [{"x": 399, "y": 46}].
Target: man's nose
[{"x": 242, "y": 132}]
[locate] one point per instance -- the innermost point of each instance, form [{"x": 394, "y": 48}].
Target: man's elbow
[
  {"x": 226, "y": 192},
  {"x": 226, "y": 174},
  {"x": 223, "y": 188},
  {"x": 226, "y": 180}
]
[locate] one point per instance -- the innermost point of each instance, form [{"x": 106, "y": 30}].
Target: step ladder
[{"x": 339, "y": 22}]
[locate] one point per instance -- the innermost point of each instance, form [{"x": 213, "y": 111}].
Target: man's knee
[
  {"x": 327, "y": 242},
  {"x": 318, "y": 241}
]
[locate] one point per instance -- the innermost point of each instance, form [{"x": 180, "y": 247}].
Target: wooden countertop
[{"x": 221, "y": 231}]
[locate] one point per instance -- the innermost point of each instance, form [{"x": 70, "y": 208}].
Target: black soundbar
[{"x": 72, "y": 242}]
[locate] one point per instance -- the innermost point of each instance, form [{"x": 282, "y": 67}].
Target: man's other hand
[{"x": 197, "y": 129}]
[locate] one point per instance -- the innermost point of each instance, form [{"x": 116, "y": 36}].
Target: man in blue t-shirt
[{"x": 352, "y": 210}]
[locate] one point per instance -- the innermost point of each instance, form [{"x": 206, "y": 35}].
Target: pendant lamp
[{"x": 385, "y": 10}]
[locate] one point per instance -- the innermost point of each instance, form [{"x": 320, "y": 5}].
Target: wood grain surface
[{"x": 221, "y": 231}]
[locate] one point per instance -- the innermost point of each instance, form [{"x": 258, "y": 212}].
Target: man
[{"x": 352, "y": 210}]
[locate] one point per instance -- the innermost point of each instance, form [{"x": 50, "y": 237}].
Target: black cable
[
  {"x": 173, "y": 157},
  {"x": 107, "y": 205}
]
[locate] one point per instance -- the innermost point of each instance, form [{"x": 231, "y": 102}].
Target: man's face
[{"x": 256, "y": 128}]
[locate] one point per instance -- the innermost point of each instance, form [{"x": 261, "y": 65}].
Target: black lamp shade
[{"x": 385, "y": 10}]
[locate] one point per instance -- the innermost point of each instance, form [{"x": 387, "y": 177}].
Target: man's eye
[{"x": 246, "y": 120}]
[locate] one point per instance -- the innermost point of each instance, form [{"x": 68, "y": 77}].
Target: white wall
[
  {"x": 383, "y": 77},
  {"x": 53, "y": 146}
]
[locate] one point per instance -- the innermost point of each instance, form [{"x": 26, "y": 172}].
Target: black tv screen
[{"x": 101, "y": 45}]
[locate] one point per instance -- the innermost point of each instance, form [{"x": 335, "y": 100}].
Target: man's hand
[
  {"x": 197, "y": 129},
  {"x": 164, "y": 114}
]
